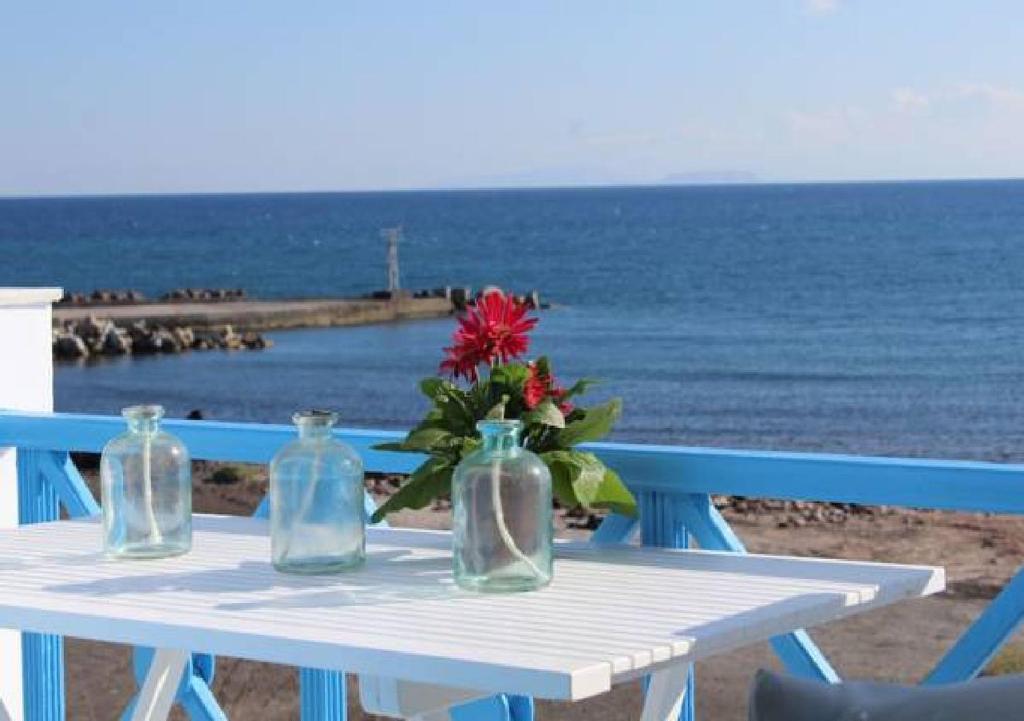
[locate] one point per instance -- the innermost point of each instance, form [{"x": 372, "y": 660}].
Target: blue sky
[{"x": 110, "y": 97}]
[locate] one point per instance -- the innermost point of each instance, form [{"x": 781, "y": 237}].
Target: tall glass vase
[
  {"x": 146, "y": 489},
  {"x": 317, "y": 508},
  {"x": 501, "y": 498}
]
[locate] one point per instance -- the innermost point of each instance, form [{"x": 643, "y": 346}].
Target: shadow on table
[{"x": 388, "y": 577}]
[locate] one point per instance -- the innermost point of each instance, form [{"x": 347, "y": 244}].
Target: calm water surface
[{"x": 880, "y": 318}]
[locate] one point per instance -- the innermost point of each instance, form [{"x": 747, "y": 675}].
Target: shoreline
[{"x": 262, "y": 315}]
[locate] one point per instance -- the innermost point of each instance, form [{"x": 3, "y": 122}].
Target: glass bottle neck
[
  {"x": 144, "y": 426},
  {"x": 500, "y": 437},
  {"x": 314, "y": 431}
]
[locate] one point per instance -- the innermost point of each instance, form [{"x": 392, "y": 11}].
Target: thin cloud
[{"x": 821, "y": 7}]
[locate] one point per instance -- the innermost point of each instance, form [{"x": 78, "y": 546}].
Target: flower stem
[{"x": 499, "y": 519}]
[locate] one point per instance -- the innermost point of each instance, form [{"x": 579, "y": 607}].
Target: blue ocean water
[{"x": 872, "y": 318}]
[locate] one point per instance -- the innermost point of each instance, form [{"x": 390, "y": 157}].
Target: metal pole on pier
[{"x": 393, "y": 235}]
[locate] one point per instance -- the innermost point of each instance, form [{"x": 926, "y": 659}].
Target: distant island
[{"x": 710, "y": 177}]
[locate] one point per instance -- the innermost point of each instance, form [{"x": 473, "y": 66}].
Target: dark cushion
[{"x": 785, "y": 698}]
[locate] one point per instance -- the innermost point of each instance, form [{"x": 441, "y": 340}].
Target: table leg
[
  {"x": 665, "y": 693},
  {"x": 161, "y": 686}
]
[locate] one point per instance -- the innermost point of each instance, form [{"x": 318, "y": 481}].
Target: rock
[
  {"x": 460, "y": 297},
  {"x": 194, "y": 415},
  {"x": 68, "y": 346},
  {"x": 91, "y": 329},
  {"x": 115, "y": 341},
  {"x": 185, "y": 337},
  {"x": 159, "y": 340},
  {"x": 229, "y": 340},
  {"x": 255, "y": 341}
]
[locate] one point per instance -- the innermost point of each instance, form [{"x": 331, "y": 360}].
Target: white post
[{"x": 26, "y": 384}]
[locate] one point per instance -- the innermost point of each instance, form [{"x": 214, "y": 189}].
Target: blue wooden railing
[{"x": 672, "y": 484}]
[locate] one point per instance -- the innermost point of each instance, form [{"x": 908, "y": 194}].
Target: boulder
[
  {"x": 229, "y": 340},
  {"x": 92, "y": 329},
  {"x": 185, "y": 337},
  {"x": 115, "y": 341},
  {"x": 68, "y": 346},
  {"x": 255, "y": 341}
]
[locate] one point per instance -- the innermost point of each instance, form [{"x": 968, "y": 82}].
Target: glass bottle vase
[
  {"x": 146, "y": 489},
  {"x": 317, "y": 506},
  {"x": 502, "y": 514}
]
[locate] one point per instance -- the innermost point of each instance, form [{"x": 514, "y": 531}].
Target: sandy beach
[{"x": 897, "y": 643}]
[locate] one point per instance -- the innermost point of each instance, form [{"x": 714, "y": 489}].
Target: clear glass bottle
[
  {"x": 146, "y": 488},
  {"x": 317, "y": 507},
  {"x": 501, "y": 501}
]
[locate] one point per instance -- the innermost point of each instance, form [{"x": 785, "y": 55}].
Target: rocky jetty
[
  {"x": 104, "y": 296},
  {"x": 98, "y": 337},
  {"x": 208, "y": 294}
]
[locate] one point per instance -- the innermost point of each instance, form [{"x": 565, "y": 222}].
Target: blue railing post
[
  {"x": 662, "y": 524},
  {"x": 42, "y": 654},
  {"x": 322, "y": 695}
]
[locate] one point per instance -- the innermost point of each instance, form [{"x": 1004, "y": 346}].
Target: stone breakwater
[
  {"x": 118, "y": 323},
  {"x": 93, "y": 337}
]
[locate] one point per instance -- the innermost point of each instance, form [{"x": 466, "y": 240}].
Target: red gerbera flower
[
  {"x": 494, "y": 330},
  {"x": 540, "y": 385}
]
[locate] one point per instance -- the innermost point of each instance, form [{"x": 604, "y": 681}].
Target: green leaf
[
  {"x": 432, "y": 479},
  {"x": 589, "y": 476},
  {"x": 546, "y": 413},
  {"x": 579, "y": 387},
  {"x": 426, "y": 438},
  {"x": 497, "y": 412},
  {"x": 397, "y": 446},
  {"x": 512, "y": 375},
  {"x": 593, "y": 426},
  {"x": 563, "y": 470},
  {"x": 581, "y": 479},
  {"x": 430, "y": 387},
  {"x": 614, "y": 495}
]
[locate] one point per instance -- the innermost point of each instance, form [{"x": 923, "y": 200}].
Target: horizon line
[{"x": 503, "y": 188}]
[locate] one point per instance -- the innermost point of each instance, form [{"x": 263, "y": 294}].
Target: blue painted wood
[
  {"x": 951, "y": 485},
  {"x": 983, "y": 639},
  {"x": 322, "y": 695},
  {"x": 207, "y": 440},
  {"x": 42, "y": 654},
  {"x": 60, "y": 471},
  {"x": 796, "y": 650},
  {"x": 199, "y": 703},
  {"x": 521, "y": 707},
  {"x": 663, "y": 524},
  {"x": 615, "y": 529},
  {"x": 193, "y": 693},
  {"x": 655, "y": 473},
  {"x": 492, "y": 708}
]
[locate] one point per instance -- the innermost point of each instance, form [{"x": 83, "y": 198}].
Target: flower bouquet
[{"x": 488, "y": 345}]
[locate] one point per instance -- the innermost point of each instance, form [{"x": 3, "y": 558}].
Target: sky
[{"x": 127, "y": 97}]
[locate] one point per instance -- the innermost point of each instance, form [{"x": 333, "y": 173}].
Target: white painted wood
[
  {"x": 665, "y": 694},
  {"x": 407, "y": 699},
  {"x": 156, "y": 697},
  {"x": 611, "y": 614},
  {"x": 26, "y": 384}
]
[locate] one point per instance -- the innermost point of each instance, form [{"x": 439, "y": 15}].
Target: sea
[{"x": 874, "y": 318}]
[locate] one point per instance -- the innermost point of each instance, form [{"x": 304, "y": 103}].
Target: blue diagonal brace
[
  {"x": 796, "y": 650},
  {"x": 61, "y": 472},
  {"x": 983, "y": 639}
]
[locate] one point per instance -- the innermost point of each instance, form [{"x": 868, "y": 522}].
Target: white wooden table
[{"x": 419, "y": 643}]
